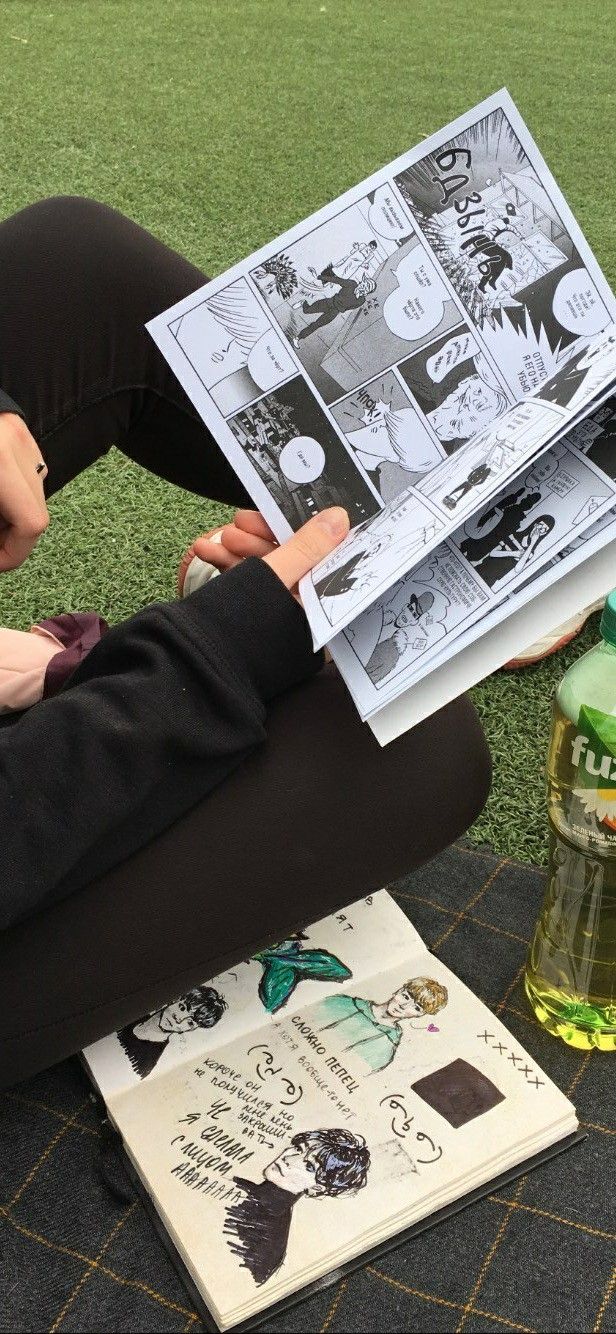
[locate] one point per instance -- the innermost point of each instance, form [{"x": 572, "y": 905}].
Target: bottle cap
[{"x": 608, "y": 619}]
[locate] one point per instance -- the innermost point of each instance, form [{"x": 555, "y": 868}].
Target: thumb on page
[{"x": 309, "y": 545}]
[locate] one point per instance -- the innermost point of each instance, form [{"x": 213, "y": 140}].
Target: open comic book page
[
  {"x": 562, "y": 505},
  {"x": 276, "y": 1157},
  {"x": 346, "y": 360},
  {"x": 293, "y": 972},
  {"x": 405, "y": 532}
]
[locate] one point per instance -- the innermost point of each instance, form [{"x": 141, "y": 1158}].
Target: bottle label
[{"x": 593, "y": 759}]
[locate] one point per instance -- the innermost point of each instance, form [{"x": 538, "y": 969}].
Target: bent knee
[{"x": 67, "y": 211}]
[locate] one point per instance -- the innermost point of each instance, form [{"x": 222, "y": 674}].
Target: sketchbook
[
  {"x": 435, "y": 351},
  {"x": 316, "y": 1102}
]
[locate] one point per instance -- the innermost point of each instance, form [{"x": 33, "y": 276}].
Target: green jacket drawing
[{"x": 354, "y": 1018}]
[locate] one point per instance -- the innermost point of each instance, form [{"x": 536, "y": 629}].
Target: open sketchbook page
[
  {"x": 288, "y": 974},
  {"x": 276, "y": 1157},
  {"x": 490, "y": 567},
  {"x": 368, "y": 345}
]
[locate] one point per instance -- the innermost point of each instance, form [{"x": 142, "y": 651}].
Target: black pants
[
  {"x": 326, "y": 311},
  {"x": 315, "y": 818}
]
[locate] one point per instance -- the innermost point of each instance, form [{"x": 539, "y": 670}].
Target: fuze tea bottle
[{"x": 571, "y": 969}]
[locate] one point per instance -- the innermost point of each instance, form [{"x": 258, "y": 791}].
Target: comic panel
[
  {"x": 297, "y": 454},
  {"x": 230, "y": 343},
  {"x": 587, "y": 370},
  {"x": 498, "y": 451},
  {"x": 455, "y": 387},
  {"x": 557, "y": 495},
  {"x": 422, "y": 609},
  {"x": 595, "y": 437},
  {"x": 492, "y": 224},
  {"x": 356, "y": 294},
  {"x": 388, "y": 436},
  {"x": 371, "y": 557}
]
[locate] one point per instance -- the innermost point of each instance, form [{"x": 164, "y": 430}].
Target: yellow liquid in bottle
[{"x": 571, "y": 970}]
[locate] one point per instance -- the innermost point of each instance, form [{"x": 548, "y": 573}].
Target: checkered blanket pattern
[{"x": 538, "y": 1255}]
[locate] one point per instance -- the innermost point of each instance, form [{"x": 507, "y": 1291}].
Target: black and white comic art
[
  {"x": 497, "y": 230},
  {"x": 536, "y": 515},
  {"x": 352, "y": 574},
  {"x": 388, "y": 436},
  {"x": 391, "y": 544},
  {"x": 407, "y": 352},
  {"x": 415, "y": 616},
  {"x": 459, "y": 485},
  {"x": 581, "y": 373},
  {"x": 456, "y": 388},
  {"x": 230, "y": 344},
  {"x": 498, "y": 449},
  {"x": 558, "y": 509},
  {"x": 295, "y": 450},
  {"x": 596, "y": 438},
  {"x": 356, "y": 294}
]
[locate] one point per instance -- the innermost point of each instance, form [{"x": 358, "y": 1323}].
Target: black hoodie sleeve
[
  {"x": 161, "y": 710},
  {"x": 8, "y": 405}
]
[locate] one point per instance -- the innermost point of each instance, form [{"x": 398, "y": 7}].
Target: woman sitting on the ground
[{"x": 199, "y": 787}]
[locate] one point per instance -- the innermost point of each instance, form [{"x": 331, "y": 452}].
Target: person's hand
[
  {"x": 321, "y": 535},
  {"x": 23, "y": 511},
  {"x": 250, "y": 535},
  {"x": 247, "y": 535}
]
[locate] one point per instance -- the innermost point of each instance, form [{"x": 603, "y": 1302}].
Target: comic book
[
  {"x": 315, "y": 1104},
  {"x": 435, "y": 351}
]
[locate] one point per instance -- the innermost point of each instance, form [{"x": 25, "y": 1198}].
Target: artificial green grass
[{"x": 217, "y": 125}]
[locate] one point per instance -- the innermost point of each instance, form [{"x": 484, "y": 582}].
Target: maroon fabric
[{"x": 78, "y": 631}]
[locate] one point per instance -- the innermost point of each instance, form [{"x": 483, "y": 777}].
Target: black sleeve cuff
[
  {"x": 7, "y": 404},
  {"x": 254, "y": 612}
]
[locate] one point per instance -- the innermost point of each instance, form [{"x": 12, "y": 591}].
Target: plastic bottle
[{"x": 571, "y": 968}]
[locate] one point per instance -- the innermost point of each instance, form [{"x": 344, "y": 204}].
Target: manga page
[
  {"x": 281, "y": 1155},
  {"x": 225, "y": 1008},
  {"x": 494, "y": 561},
  {"x": 353, "y": 357},
  {"x": 581, "y": 583},
  {"x": 381, "y": 550}
]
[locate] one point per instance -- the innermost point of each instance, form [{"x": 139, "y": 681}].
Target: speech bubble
[
  {"x": 562, "y": 482},
  {"x": 456, "y": 349},
  {"x": 302, "y": 460},
  {"x": 387, "y": 217},
  {"x": 416, "y": 307},
  {"x": 577, "y": 304},
  {"x": 269, "y": 362}
]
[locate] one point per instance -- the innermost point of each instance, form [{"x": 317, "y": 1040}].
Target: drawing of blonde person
[
  {"x": 373, "y": 1029},
  {"x": 467, "y": 409}
]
